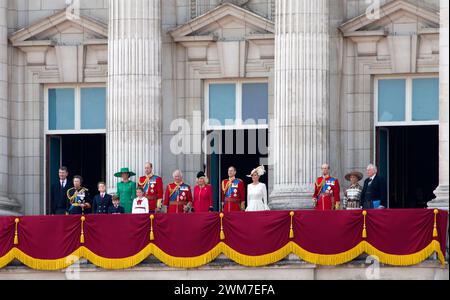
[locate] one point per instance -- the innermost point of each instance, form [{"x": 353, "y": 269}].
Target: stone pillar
[
  {"x": 134, "y": 86},
  {"x": 300, "y": 142},
  {"x": 7, "y": 206},
  {"x": 442, "y": 199}
]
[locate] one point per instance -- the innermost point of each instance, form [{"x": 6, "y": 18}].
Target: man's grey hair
[
  {"x": 373, "y": 167},
  {"x": 177, "y": 171}
]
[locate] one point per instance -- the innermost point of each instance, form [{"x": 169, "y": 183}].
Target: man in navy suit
[
  {"x": 58, "y": 193},
  {"x": 373, "y": 194},
  {"x": 102, "y": 201}
]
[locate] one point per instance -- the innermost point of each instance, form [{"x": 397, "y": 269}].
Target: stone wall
[{"x": 350, "y": 78}]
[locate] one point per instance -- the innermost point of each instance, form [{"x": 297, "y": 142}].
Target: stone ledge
[{"x": 223, "y": 268}]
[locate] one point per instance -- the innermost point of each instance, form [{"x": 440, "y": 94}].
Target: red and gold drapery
[{"x": 396, "y": 237}]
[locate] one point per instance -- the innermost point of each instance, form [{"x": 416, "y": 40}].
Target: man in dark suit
[
  {"x": 58, "y": 193},
  {"x": 373, "y": 194}
]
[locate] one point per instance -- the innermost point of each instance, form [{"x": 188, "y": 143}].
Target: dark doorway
[
  {"x": 243, "y": 149},
  {"x": 82, "y": 154},
  {"x": 408, "y": 156}
]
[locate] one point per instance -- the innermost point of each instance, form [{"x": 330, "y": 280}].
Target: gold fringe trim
[
  {"x": 116, "y": 263},
  {"x": 47, "y": 264},
  {"x": 257, "y": 261},
  {"x": 328, "y": 259},
  {"x": 187, "y": 262},
  {"x": 7, "y": 258},
  {"x": 406, "y": 260},
  {"x": 239, "y": 258}
]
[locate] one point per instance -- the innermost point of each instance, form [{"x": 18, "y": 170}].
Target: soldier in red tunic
[
  {"x": 233, "y": 192},
  {"x": 178, "y": 198},
  {"x": 152, "y": 185},
  {"x": 326, "y": 191}
]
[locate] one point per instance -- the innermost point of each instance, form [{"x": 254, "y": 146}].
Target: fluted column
[
  {"x": 442, "y": 197},
  {"x": 134, "y": 86},
  {"x": 7, "y": 206},
  {"x": 300, "y": 141}
]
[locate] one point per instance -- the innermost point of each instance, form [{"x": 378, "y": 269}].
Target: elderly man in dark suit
[
  {"x": 58, "y": 193},
  {"x": 373, "y": 194}
]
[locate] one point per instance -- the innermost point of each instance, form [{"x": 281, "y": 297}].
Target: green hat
[{"x": 124, "y": 170}]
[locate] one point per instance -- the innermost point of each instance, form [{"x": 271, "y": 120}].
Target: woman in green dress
[{"x": 126, "y": 189}]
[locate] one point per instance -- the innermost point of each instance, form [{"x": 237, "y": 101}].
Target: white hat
[{"x": 259, "y": 170}]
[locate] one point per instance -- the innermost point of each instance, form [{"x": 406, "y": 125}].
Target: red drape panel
[{"x": 394, "y": 232}]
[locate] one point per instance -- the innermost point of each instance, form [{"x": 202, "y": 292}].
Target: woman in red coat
[{"x": 203, "y": 194}]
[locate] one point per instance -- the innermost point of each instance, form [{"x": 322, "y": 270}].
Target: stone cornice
[
  {"x": 56, "y": 20},
  {"x": 386, "y": 10}
]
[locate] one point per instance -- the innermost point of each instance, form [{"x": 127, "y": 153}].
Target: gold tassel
[
  {"x": 364, "y": 232},
  {"x": 82, "y": 231},
  {"x": 222, "y": 234},
  {"x": 291, "y": 231},
  {"x": 16, "y": 236},
  {"x": 152, "y": 236},
  {"x": 435, "y": 232}
]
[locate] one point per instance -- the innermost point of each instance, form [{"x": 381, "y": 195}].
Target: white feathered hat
[{"x": 259, "y": 170}]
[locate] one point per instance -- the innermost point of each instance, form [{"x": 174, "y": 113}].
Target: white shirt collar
[{"x": 371, "y": 178}]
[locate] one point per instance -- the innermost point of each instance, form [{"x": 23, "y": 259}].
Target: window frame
[
  {"x": 77, "y": 103},
  {"x": 239, "y": 123},
  {"x": 408, "y": 101}
]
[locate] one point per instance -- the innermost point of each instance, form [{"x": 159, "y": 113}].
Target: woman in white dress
[{"x": 256, "y": 191}]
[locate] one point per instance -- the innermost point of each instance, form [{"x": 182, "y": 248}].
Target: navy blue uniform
[{"x": 100, "y": 205}]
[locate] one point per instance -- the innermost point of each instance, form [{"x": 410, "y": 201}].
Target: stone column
[
  {"x": 442, "y": 199},
  {"x": 134, "y": 86},
  {"x": 300, "y": 142},
  {"x": 7, "y": 206}
]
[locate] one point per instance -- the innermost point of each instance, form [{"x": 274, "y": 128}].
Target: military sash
[
  {"x": 327, "y": 184},
  {"x": 230, "y": 187},
  {"x": 149, "y": 182},
  {"x": 173, "y": 194}
]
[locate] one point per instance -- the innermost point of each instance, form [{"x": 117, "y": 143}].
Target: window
[
  {"x": 412, "y": 100},
  {"x": 391, "y": 100},
  {"x": 76, "y": 109},
  {"x": 425, "y": 99},
  {"x": 93, "y": 115},
  {"x": 254, "y": 101},
  {"x": 61, "y": 109},
  {"x": 237, "y": 104},
  {"x": 222, "y": 102}
]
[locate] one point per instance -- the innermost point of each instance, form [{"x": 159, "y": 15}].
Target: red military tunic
[
  {"x": 326, "y": 193},
  {"x": 233, "y": 194},
  {"x": 177, "y": 196},
  {"x": 153, "y": 190}
]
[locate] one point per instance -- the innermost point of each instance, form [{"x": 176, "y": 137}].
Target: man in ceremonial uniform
[
  {"x": 233, "y": 192},
  {"x": 178, "y": 198},
  {"x": 326, "y": 191},
  {"x": 152, "y": 185},
  {"x": 78, "y": 197}
]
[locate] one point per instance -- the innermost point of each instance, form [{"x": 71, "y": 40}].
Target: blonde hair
[{"x": 205, "y": 179}]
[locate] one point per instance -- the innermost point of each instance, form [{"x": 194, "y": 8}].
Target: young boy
[
  {"x": 140, "y": 203},
  {"x": 102, "y": 201},
  {"x": 115, "y": 208}
]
